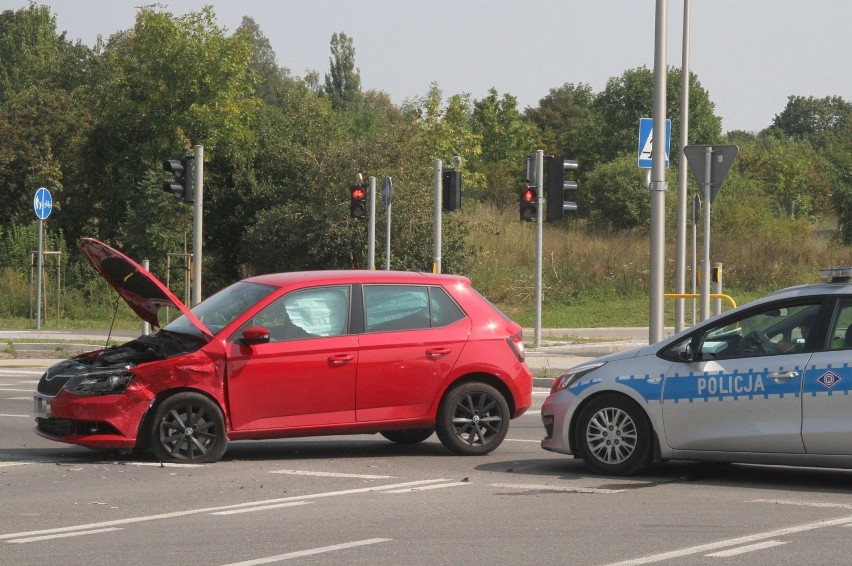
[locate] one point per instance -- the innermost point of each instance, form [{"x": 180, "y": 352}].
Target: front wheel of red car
[
  {"x": 473, "y": 419},
  {"x": 188, "y": 427}
]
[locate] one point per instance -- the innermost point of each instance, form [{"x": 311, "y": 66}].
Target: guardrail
[{"x": 697, "y": 296}]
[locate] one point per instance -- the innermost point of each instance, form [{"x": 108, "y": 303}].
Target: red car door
[
  {"x": 305, "y": 375},
  {"x": 403, "y": 358}
]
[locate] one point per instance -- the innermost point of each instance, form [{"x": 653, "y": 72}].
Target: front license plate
[{"x": 42, "y": 407}]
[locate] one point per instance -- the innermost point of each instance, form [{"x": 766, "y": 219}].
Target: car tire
[
  {"x": 613, "y": 436},
  {"x": 188, "y": 427},
  {"x": 415, "y": 436},
  {"x": 473, "y": 419}
]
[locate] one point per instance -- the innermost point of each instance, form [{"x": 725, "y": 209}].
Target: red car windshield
[{"x": 219, "y": 310}]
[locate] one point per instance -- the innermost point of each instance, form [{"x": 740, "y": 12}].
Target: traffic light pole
[
  {"x": 438, "y": 218},
  {"x": 197, "y": 224},
  {"x": 539, "y": 224},
  {"x": 371, "y": 227}
]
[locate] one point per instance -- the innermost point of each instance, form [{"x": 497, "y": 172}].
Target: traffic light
[
  {"x": 557, "y": 185},
  {"x": 451, "y": 184},
  {"x": 529, "y": 204},
  {"x": 358, "y": 201},
  {"x": 182, "y": 184}
]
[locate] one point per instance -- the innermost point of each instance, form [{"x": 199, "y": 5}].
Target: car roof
[
  {"x": 357, "y": 276},
  {"x": 812, "y": 289}
]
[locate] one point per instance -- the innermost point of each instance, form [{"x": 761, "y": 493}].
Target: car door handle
[
  {"x": 783, "y": 375},
  {"x": 436, "y": 353},
  {"x": 340, "y": 359}
]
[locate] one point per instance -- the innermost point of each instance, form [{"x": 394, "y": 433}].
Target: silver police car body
[{"x": 768, "y": 382}]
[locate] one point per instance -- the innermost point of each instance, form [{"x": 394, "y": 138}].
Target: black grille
[{"x": 55, "y": 378}]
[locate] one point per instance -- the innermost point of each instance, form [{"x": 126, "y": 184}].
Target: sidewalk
[{"x": 564, "y": 348}]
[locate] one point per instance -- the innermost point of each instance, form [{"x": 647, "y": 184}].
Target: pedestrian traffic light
[
  {"x": 358, "y": 201},
  {"x": 529, "y": 204},
  {"x": 451, "y": 184},
  {"x": 182, "y": 184},
  {"x": 557, "y": 185}
]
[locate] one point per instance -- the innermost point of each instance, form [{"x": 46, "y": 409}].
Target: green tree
[
  {"x": 616, "y": 196},
  {"x": 507, "y": 138},
  {"x": 343, "y": 81},
  {"x": 165, "y": 85},
  {"x": 567, "y": 121},
  {"x": 812, "y": 118},
  {"x": 628, "y": 98}
]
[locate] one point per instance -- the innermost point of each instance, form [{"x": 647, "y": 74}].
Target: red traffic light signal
[
  {"x": 358, "y": 201},
  {"x": 528, "y": 204}
]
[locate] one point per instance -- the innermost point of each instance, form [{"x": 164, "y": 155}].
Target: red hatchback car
[{"x": 293, "y": 354}]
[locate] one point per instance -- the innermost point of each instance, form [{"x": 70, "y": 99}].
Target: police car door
[
  {"x": 827, "y": 399},
  {"x": 742, "y": 391}
]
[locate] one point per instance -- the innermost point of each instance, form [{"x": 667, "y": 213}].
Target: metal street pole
[
  {"x": 371, "y": 227},
  {"x": 539, "y": 223},
  {"x": 197, "y": 222},
  {"x": 437, "y": 219},
  {"x": 389, "y": 201},
  {"x": 682, "y": 194},
  {"x": 658, "y": 180},
  {"x": 705, "y": 262},
  {"x": 40, "y": 268}
]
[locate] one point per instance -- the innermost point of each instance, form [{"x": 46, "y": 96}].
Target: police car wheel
[{"x": 614, "y": 436}]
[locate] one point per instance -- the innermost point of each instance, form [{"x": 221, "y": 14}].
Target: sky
[{"x": 749, "y": 55}]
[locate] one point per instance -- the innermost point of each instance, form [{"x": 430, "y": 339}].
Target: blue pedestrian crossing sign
[
  {"x": 646, "y": 141},
  {"x": 42, "y": 203}
]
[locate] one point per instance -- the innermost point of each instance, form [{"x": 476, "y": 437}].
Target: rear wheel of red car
[
  {"x": 473, "y": 419},
  {"x": 408, "y": 436},
  {"x": 188, "y": 427}
]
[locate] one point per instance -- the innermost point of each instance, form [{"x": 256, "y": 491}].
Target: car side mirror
[
  {"x": 255, "y": 335},
  {"x": 686, "y": 353}
]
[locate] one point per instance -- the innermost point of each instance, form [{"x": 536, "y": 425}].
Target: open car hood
[{"x": 137, "y": 286}]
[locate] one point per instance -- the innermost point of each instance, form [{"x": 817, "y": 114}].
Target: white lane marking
[
  {"x": 541, "y": 393},
  {"x": 8, "y": 464},
  {"x": 262, "y": 508},
  {"x": 310, "y": 552},
  {"x": 744, "y": 549},
  {"x": 30, "y": 399},
  {"x": 6, "y": 372},
  {"x": 433, "y": 486},
  {"x": 10, "y": 415},
  {"x": 520, "y": 440},
  {"x": 185, "y": 513},
  {"x": 733, "y": 542},
  {"x": 329, "y": 474},
  {"x": 18, "y": 390},
  {"x": 64, "y": 535},
  {"x": 555, "y": 488},
  {"x": 803, "y": 503}
]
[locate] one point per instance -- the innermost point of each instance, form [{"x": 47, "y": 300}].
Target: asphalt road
[{"x": 364, "y": 500}]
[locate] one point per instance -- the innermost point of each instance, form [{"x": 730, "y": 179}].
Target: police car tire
[{"x": 623, "y": 419}]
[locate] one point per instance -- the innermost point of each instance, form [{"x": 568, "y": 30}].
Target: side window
[
  {"x": 396, "y": 307},
  {"x": 841, "y": 334},
  {"x": 445, "y": 311},
  {"x": 307, "y": 313},
  {"x": 775, "y": 330}
]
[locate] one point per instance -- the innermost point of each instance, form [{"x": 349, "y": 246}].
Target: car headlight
[
  {"x": 571, "y": 376},
  {"x": 100, "y": 382}
]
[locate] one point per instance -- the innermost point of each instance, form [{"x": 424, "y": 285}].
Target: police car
[{"x": 768, "y": 383}]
